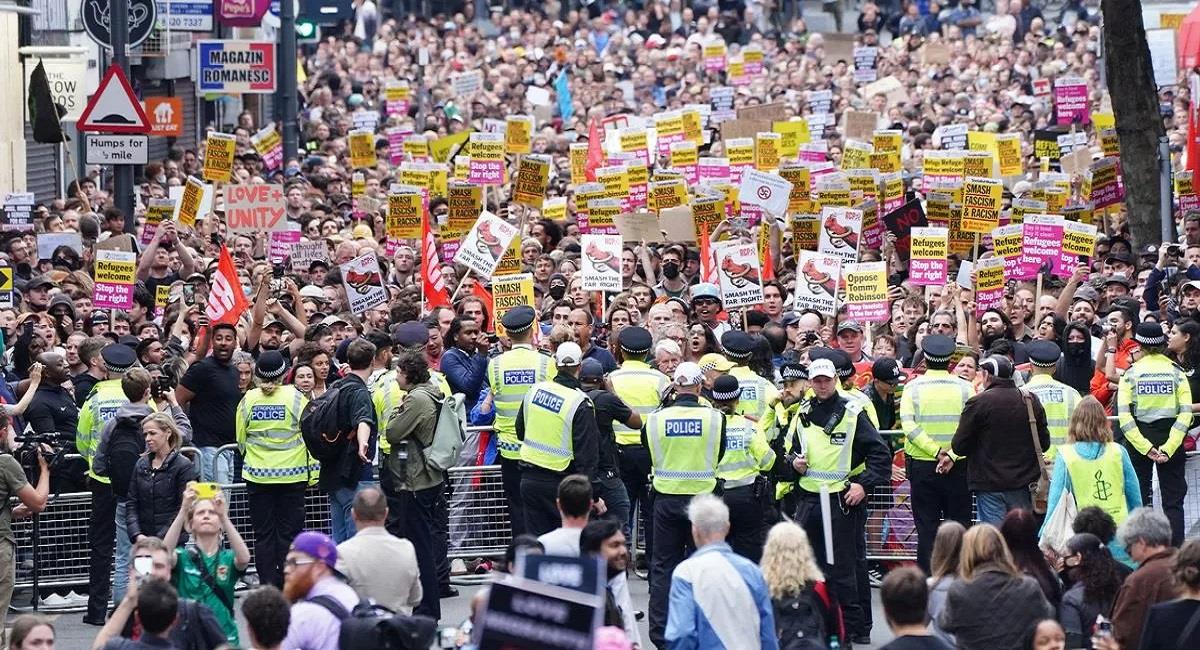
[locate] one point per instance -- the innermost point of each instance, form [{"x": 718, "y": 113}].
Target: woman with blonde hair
[
  {"x": 1095, "y": 469},
  {"x": 806, "y": 614},
  {"x": 159, "y": 478},
  {"x": 989, "y": 584},
  {"x": 943, "y": 565}
]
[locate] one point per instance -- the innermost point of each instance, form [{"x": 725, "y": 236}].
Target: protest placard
[
  {"x": 866, "y": 292},
  {"x": 602, "y": 216},
  {"x": 840, "y": 230},
  {"x": 989, "y": 283},
  {"x": 738, "y": 269},
  {"x": 397, "y": 96},
  {"x": 508, "y": 292},
  {"x": 48, "y": 242},
  {"x": 362, "y": 149},
  {"x": 601, "y": 263},
  {"x": 555, "y": 208},
  {"x": 1043, "y": 237},
  {"x": 304, "y": 253},
  {"x": 1106, "y": 187},
  {"x": 281, "y": 242},
  {"x": 269, "y": 145},
  {"x": 1008, "y": 242},
  {"x": 804, "y": 232},
  {"x": 714, "y": 55},
  {"x": 487, "y": 159},
  {"x": 219, "y": 150},
  {"x": 866, "y": 62},
  {"x": 404, "y": 215},
  {"x": 116, "y": 273},
  {"x": 766, "y": 150},
  {"x": 532, "y": 176},
  {"x": 467, "y": 84},
  {"x": 1078, "y": 243},
  {"x": 928, "y": 262},
  {"x": 817, "y": 282},
  {"x": 363, "y": 283},
  {"x": 524, "y": 613},
  {"x": 194, "y": 201},
  {"x": 255, "y": 208},
  {"x": 666, "y": 194},
  {"x": 1071, "y": 101},
  {"x": 982, "y": 198},
  {"x": 157, "y": 211},
  {"x": 518, "y": 134},
  {"x": 485, "y": 244},
  {"x": 951, "y": 137},
  {"x": 1008, "y": 146},
  {"x": 679, "y": 224},
  {"x": 769, "y": 191}
]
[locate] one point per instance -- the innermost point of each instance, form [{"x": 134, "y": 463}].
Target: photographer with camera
[
  {"x": 13, "y": 482},
  {"x": 122, "y": 443}
]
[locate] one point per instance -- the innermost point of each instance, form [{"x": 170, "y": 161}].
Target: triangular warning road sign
[{"x": 113, "y": 108}]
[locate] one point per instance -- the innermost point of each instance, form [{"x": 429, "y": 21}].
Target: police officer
[
  {"x": 832, "y": 436},
  {"x": 1058, "y": 399},
  {"x": 795, "y": 388},
  {"x": 610, "y": 411},
  {"x": 641, "y": 388},
  {"x": 686, "y": 442},
  {"x": 1154, "y": 411},
  {"x": 100, "y": 407},
  {"x": 556, "y": 424},
  {"x": 510, "y": 377},
  {"x": 759, "y": 394},
  {"x": 929, "y": 412},
  {"x": 746, "y": 456},
  {"x": 845, "y": 374},
  {"x": 276, "y": 465}
]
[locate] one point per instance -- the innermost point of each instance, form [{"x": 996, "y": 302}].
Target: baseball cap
[
  {"x": 568, "y": 354},
  {"x": 885, "y": 369},
  {"x": 314, "y": 292},
  {"x": 319, "y": 545},
  {"x": 822, "y": 368},
  {"x": 688, "y": 374}
]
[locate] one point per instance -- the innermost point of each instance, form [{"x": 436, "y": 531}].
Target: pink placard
[{"x": 108, "y": 295}]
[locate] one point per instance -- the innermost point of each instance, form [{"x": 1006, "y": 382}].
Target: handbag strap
[
  {"x": 1188, "y": 629},
  {"x": 207, "y": 578},
  {"x": 1037, "y": 443}
]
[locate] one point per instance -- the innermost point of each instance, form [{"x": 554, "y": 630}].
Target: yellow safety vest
[
  {"x": 929, "y": 412},
  {"x": 684, "y": 448},
  {"x": 548, "y": 410},
  {"x": 829, "y": 455},
  {"x": 268, "y": 436},
  {"x": 1059, "y": 401},
  {"x": 1099, "y": 482},
  {"x": 746, "y": 452},
  {"x": 791, "y": 416},
  {"x": 758, "y": 394},
  {"x": 386, "y": 396},
  {"x": 510, "y": 377},
  {"x": 641, "y": 388},
  {"x": 101, "y": 406},
  {"x": 1154, "y": 389}
]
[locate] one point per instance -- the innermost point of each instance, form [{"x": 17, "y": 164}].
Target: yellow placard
[
  {"x": 795, "y": 133},
  {"x": 740, "y": 151},
  {"x": 518, "y": 134},
  {"x": 981, "y": 204},
  {"x": 532, "y": 176},
  {"x": 1008, "y": 150},
  {"x": 602, "y": 214},
  {"x": 417, "y": 176},
  {"x": 162, "y": 293},
  {"x": 465, "y": 203},
  {"x": 684, "y": 154},
  {"x": 219, "y": 150},
  {"x": 439, "y": 149},
  {"x": 766, "y": 150},
  {"x": 555, "y": 208},
  {"x": 693, "y": 128},
  {"x": 708, "y": 212},
  {"x": 190, "y": 202},
  {"x": 887, "y": 162},
  {"x": 509, "y": 292},
  {"x": 799, "y": 177},
  {"x": 115, "y": 271},
  {"x": 978, "y": 163},
  {"x": 633, "y": 140},
  {"x": 416, "y": 147},
  {"x": 362, "y": 149},
  {"x": 578, "y": 157},
  {"x": 1104, "y": 120},
  {"x": 510, "y": 262},
  {"x": 404, "y": 216},
  {"x": 1110, "y": 144},
  {"x": 667, "y": 194},
  {"x": 887, "y": 141},
  {"x": 615, "y": 181},
  {"x": 856, "y": 155}
]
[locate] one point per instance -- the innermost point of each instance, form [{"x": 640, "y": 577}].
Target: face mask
[
  {"x": 670, "y": 270},
  {"x": 558, "y": 291},
  {"x": 1077, "y": 349}
]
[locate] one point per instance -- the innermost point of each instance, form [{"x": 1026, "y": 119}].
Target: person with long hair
[
  {"x": 31, "y": 632},
  {"x": 1078, "y": 364},
  {"x": 1183, "y": 347},
  {"x": 1050, "y": 327},
  {"x": 1020, "y": 530},
  {"x": 159, "y": 478},
  {"x": 701, "y": 341},
  {"x": 943, "y": 568},
  {"x": 795, "y": 583},
  {"x": 1095, "y": 469},
  {"x": 1095, "y": 579},
  {"x": 990, "y": 585},
  {"x": 1172, "y": 625}
]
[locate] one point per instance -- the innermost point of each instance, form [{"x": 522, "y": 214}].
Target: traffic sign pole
[
  {"x": 286, "y": 60},
  {"x": 122, "y": 174}
]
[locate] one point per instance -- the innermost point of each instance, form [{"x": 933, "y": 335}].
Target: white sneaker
[{"x": 458, "y": 567}]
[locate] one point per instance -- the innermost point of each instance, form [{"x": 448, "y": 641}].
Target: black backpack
[
  {"x": 125, "y": 445},
  {"x": 319, "y": 426},
  {"x": 800, "y": 620},
  {"x": 376, "y": 627}
]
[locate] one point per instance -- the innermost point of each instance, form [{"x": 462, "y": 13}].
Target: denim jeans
[
  {"x": 121, "y": 556},
  {"x": 992, "y": 506},
  {"x": 340, "y": 521},
  {"x": 216, "y": 469}
]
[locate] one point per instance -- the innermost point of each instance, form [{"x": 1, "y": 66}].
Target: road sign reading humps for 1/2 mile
[{"x": 113, "y": 108}]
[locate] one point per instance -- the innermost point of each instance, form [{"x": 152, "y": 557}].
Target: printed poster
[
  {"x": 363, "y": 283},
  {"x": 840, "y": 230},
  {"x": 928, "y": 262},
  {"x": 487, "y": 159},
  {"x": 1071, "y": 101},
  {"x": 508, "y": 292},
  {"x": 982, "y": 198},
  {"x": 115, "y": 276},
  {"x": 485, "y": 244},
  {"x": 362, "y": 149},
  {"x": 866, "y": 292},
  {"x": 219, "y": 151},
  {"x": 533, "y": 174},
  {"x": 1008, "y": 243},
  {"x": 989, "y": 282},
  {"x": 601, "y": 268},
  {"x": 1043, "y": 237},
  {"x": 817, "y": 282},
  {"x": 157, "y": 211},
  {"x": 738, "y": 268}
]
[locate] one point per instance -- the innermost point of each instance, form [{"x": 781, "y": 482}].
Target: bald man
[{"x": 53, "y": 410}]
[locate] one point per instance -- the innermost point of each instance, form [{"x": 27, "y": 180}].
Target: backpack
[
  {"x": 125, "y": 444},
  {"x": 319, "y": 427},
  {"x": 800, "y": 620},
  {"x": 376, "y": 627},
  {"x": 449, "y": 434}
]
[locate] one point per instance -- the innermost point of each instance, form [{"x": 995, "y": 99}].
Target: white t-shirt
[{"x": 562, "y": 541}]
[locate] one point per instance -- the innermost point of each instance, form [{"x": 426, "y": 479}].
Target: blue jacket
[
  {"x": 712, "y": 595},
  {"x": 1060, "y": 480},
  {"x": 465, "y": 374}
]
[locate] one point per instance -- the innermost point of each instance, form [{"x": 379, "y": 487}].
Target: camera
[
  {"x": 160, "y": 385},
  {"x": 30, "y": 445}
]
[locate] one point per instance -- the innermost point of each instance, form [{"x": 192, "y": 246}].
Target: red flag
[
  {"x": 595, "y": 153},
  {"x": 433, "y": 286},
  {"x": 226, "y": 300},
  {"x": 1193, "y": 144},
  {"x": 764, "y": 252},
  {"x": 479, "y": 291},
  {"x": 708, "y": 267}
]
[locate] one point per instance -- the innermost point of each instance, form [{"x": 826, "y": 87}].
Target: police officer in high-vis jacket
[
  {"x": 276, "y": 464},
  {"x": 929, "y": 410},
  {"x": 832, "y": 436},
  {"x": 641, "y": 388},
  {"x": 743, "y": 487},
  {"x": 556, "y": 424},
  {"x": 100, "y": 407},
  {"x": 510, "y": 376},
  {"x": 686, "y": 443},
  {"x": 1154, "y": 411},
  {"x": 1058, "y": 399},
  {"x": 759, "y": 394}
]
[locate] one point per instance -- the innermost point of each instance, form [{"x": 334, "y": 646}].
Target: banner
[
  {"x": 840, "y": 230},
  {"x": 739, "y": 272},
  {"x": 510, "y": 291},
  {"x": 817, "y": 282},
  {"x": 255, "y": 208},
  {"x": 219, "y": 150},
  {"x": 989, "y": 283},
  {"x": 601, "y": 264},
  {"x": 866, "y": 292},
  {"x": 363, "y": 283},
  {"x": 362, "y": 149},
  {"x": 116, "y": 273},
  {"x": 929, "y": 260},
  {"x": 485, "y": 244},
  {"x": 982, "y": 198}
]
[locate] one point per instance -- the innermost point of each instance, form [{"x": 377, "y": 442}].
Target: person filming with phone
[{"x": 33, "y": 498}]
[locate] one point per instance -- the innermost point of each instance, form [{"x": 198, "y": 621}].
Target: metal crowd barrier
[{"x": 479, "y": 525}]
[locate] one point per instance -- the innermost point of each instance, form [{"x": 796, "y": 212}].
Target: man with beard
[
  {"x": 1116, "y": 355},
  {"x": 53, "y": 410},
  {"x": 320, "y": 599},
  {"x": 209, "y": 390},
  {"x": 604, "y": 538},
  {"x": 994, "y": 325},
  {"x": 673, "y": 283},
  {"x": 154, "y": 267}
]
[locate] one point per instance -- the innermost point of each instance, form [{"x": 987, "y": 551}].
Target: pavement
[{"x": 73, "y": 634}]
